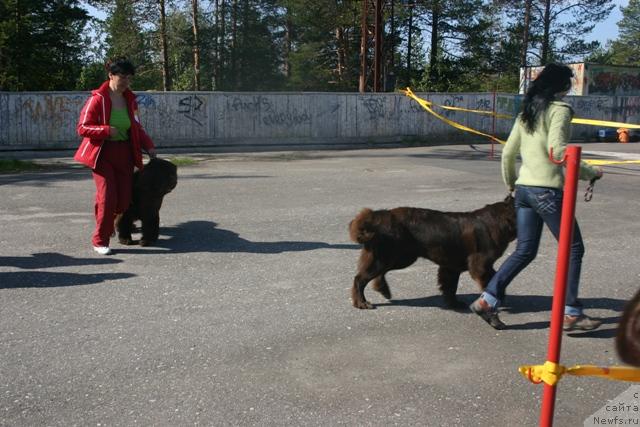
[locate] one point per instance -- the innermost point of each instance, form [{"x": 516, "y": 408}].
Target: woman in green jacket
[{"x": 542, "y": 127}]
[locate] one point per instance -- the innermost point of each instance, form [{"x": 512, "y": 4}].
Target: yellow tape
[
  {"x": 600, "y": 162},
  {"x": 590, "y": 122},
  {"x": 484, "y": 112},
  {"x": 550, "y": 373},
  {"x": 426, "y": 105},
  {"x": 604, "y": 123}
]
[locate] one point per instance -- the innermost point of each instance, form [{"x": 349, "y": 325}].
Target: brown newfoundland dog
[
  {"x": 150, "y": 185},
  {"x": 456, "y": 241},
  {"x": 628, "y": 336}
]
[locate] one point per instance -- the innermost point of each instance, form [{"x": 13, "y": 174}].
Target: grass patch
[
  {"x": 183, "y": 161},
  {"x": 15, "y": 165}
]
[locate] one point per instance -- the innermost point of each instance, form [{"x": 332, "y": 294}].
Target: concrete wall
[{"x": 47, "y": 120}]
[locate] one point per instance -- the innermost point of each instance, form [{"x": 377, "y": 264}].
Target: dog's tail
[{"x": 361, "y": 229}]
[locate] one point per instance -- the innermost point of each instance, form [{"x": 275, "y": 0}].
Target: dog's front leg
[
  {"x": 448, "y": 284},
  {"x": 150, "y": 228},
  {"x": 357, "y": 292}
]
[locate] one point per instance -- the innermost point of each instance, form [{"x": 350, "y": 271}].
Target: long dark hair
[{"x": 553, "y": 79}]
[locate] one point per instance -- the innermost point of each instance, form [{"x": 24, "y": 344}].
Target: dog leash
[{"x": 588, "y": 195}]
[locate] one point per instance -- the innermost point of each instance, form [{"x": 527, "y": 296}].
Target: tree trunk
[
  {"x": 392, "y": 37},
  {"x": 377, "y": 63},
  {"x": 363, "y": 46},
  {"x": 525, "y": 34},
  {"x": 243, "y": 59},
  {"x": 545, "y": 37},
  {"x": 409, "y": 44},
  {"x": 234, "y": 44},
  {"x": 166, "y": 76},
  {"x": 341, "y": 52},
  {"x": 222, "y": 56},
  {"x": 216, "y": 45},
  {"x": 288, "y": 37},
  {"x": 434, "y": 77},
  {"x": 196, "y": 46}
]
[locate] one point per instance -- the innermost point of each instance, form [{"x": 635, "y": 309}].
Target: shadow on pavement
[
  {"x": 45, "y": 178},
  {"x": 203, "y": 236},
  {"x": 51, "y": 259},
  {"x": 46, "y": 279},
  {"x": 531, "y": 304},
  {"x": 213, "y": 176}
]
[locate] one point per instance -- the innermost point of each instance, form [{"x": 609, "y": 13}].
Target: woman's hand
[
  {"x": 152, "y": 153},
  {"x": 599, "y": 172},
  {"x": 113, "y": 131}
]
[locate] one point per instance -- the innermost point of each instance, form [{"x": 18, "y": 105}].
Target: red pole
[{"x": 572, "y": 158}]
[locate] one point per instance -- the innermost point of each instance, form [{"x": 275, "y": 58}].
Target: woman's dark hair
[
  {"x": 553, "y": 79},
  {"x": 120, "y": 65}
]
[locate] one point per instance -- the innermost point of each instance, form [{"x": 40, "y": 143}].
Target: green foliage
[
  {"x": 91, "y": 76},
  {"x": 183, "y": 161},
  {"x": 15, "y": 165},
  {"x": 41, "y": 47},
  {"x": 626, "y": 50},
  {"x": 309, "y": 45},
  {"x": 126, "y": 37},
  {"x": 568, "y": 22}
]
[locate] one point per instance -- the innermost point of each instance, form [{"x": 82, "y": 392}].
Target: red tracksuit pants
[{"x": 113, "y": 177}]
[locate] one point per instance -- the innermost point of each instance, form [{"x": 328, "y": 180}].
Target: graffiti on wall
[
  {"x": 50, "y": 110},
  {"x": 174, "y": 116},
  {"x": 375, "y": 107},
  {"x": 145, "y": 101},
  {"x": 628, "y": 108},
  {"x": 263, "y": 110},
  {"x": 603, "y": 80},
  {"x": 194, "y": 108},
  {"x": 508, "y": 104},
  {"x": 287, "y": 118},
  {"x": 254, "y": 104},
  {"x": 49, "y": 119}
]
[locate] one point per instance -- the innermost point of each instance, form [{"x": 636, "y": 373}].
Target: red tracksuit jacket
[{"x": 93, "y": 126}]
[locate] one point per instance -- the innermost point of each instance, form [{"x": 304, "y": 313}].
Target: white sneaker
[{"x": 102, "y": 250}]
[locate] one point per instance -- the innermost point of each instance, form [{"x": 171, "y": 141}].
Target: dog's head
[{"x": 158, "y": 177}]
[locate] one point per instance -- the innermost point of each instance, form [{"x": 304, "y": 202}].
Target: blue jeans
[{"x": 535, "y": 206}]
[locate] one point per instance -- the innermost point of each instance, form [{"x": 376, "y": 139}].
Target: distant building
[{"x": 593, "y": 79}]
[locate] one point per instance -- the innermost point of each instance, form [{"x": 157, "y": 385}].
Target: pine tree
[
  {"x": 626, "y": 49},
  {"x": 41, "y": 44}
]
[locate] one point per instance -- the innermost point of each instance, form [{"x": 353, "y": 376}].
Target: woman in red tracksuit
[{"x": 112, "y": 143}]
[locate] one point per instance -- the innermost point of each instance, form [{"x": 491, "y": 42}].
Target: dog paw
[{"x": 364, "y": 305}]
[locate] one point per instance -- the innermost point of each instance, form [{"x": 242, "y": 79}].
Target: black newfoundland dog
[
  {"x": 456, "y": 241},
  {"x": 150, "y": 185},
  {"x": 628, "y": 336}
]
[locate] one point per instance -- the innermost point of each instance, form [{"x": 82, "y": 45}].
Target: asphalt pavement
[{"x": 240, "y": 315}]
